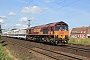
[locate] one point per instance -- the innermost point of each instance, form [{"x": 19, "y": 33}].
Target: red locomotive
[{"x": 55, "y": 33}]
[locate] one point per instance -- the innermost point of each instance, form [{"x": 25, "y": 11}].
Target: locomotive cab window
[
  {"x": 57, "y": 27},
  {"x": 64, "y": 27},
  {"x": 61, "y": 27}
]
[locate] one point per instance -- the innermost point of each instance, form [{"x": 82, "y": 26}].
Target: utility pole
[{"x": 29, "y": 23}]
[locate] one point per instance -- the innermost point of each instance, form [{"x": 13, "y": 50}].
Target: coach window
[
  {"x": 84, "y": 31},
  {"x": 81, "y": 31}
]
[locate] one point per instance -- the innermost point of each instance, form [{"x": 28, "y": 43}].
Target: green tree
[{"x": 0, "y": 29}]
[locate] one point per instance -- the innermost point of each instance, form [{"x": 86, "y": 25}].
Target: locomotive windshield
[{"x": 59, "y": 27}]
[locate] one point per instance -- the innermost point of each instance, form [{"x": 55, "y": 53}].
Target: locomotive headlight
[
  {"x": 61, "y": 36},
  {"x": 65, "y": 41}
]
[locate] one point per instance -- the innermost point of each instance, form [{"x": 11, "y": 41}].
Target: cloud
[
  {"x": 32, "y": 10},
  {"x": 1, "y": 21},
  {"x": 24, "y": 19},
  {"x": 12, "y": 14},
  {"x": 24, "y": 25},
  {"x": 5, "y": 25},
  {"x": 48, "y": 0},
  {"x": 32, "y": 18},
  {"x": 18, "y": 25},
  {"x": 2, "y": 17},
  {"x": 46, "y": 8}
]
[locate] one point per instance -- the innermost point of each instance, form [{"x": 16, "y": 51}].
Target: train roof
[{"x": 50, "y": 24}]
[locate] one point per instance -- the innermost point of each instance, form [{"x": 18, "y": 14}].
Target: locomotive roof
[{"x": 50, "y": 24}]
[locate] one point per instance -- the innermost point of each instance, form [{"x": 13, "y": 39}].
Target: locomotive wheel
[
  {"x": 52, "y": 42},
  {"x": 56, "y": 42},
  {"x": 66, "y": 41},
  {"x": 41, "y": 40}
]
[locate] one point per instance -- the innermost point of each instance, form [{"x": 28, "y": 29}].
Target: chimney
[
  {"x": 83, "y": 26},
  {"x": 89, "y": 25}
]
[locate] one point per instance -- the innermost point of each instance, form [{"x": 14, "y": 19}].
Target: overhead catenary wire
[
  {"x": 21, "y": 6},
  {"x": 30, "y": 2},
  {"x": 25, "y": 5},
  {"x": 74, "y": 14},
  {"x": 16, "y": 11},
  {"x": 51, "y": 7},
  {"x": 60, "y": 7},
  {"x": 65, "y": 5},
  {"x": 19, "y": 9}
]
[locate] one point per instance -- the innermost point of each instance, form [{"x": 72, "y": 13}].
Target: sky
[{"x": 16, "y": 13}]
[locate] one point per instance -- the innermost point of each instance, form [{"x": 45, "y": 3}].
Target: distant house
[
  {"x": 82, "y": 32},
  {"x": 88, "y": 32}
]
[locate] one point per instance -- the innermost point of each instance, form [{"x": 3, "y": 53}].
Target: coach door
[
  {"x": 51, "y": 30},
  {"x": 28, "y": 31}
]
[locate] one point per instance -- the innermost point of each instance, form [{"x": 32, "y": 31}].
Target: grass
[
  {"x": 3, "y": 54},
  {"x": 83, "y": 41},
  {"x": 15, "y": 54},
  {"x": 11, "y": 51}
]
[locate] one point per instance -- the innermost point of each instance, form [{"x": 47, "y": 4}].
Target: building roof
[
  {"x": 80, "y": 29},
  {"x": 87, "y": 29}
]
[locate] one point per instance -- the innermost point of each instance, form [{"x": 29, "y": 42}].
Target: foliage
[
  {"x": 15, "y": 54},
  {"x": 83, "y": 41},
  {"x": 0, "y": 29},
  {"x": 3, "y": 54},
  {"x": 13, "y": 29}
]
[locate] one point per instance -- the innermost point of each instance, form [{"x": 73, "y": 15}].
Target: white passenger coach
[{"x": 20, "y": 33}]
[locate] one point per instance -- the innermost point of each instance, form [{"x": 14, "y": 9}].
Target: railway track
[
  {"x": 47, "y": 50},
  {"x": 50, "y": 53},
  {"x": 78, "y": 48}
]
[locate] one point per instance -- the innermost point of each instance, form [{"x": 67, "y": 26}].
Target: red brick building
[{"x": 82, "y": 32}]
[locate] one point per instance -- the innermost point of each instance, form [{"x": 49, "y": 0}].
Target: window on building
[
  {"x": 84, "y": 31},
  {"x": 81, "y": 31}
]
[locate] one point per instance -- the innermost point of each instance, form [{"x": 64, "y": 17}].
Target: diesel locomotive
[{"x": 55, "y": 33}]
